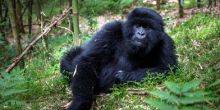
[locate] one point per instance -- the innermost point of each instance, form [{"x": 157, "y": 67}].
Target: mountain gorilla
[{"x": 118, "y": 53}]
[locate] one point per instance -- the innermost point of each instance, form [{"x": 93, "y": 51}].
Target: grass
[{"x": 197, "y": 43}]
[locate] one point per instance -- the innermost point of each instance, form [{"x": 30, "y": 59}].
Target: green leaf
[
  {"x": 190, "y": 85},
  {"x": 165, "y": 96},
  {"x": 190, "y": 100},
  {"x": 189, "y": 108},
  {"x": 12, "y": 91},
  {"x": 196, "y": 93},
  {"x": 217, "y": 82},
  {"x": 160, "y": 105},
  {"x": 2, "y": 83},
  {"x": 15, "y": 102},
  {"x": 173, "y": 87},
  {"x": 124, "y": 3}
]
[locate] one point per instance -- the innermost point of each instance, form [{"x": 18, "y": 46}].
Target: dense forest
[{"x": 35, "y": 34}]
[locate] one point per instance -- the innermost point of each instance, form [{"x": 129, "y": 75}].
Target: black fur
[{"x": 113, "y": 57}]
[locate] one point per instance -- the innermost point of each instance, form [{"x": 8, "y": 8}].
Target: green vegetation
[
  {"x": 193, "y": 3},
  {"x": 12, "y": 90},
  {"x": 96, "y": 7},
  {"x": 180, "y": 97}
]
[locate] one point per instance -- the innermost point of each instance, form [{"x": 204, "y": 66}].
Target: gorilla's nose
[{"x": 141, "y": 35}]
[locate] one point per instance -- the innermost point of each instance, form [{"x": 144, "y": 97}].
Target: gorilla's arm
[
  {"x": 140, "y": 74},
  {"x": 167, "y": 62}
]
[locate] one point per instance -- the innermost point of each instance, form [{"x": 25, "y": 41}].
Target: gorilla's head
[{"x": 142, "y": 28}]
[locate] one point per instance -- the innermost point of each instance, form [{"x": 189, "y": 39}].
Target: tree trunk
[
  {"x": 30, "y": 2},
  {"x": 198, "y": 3},
  {"x": 2, "y": 33},
  {"x": 209, "y": 3},
  {"x": 1, "y": 11},
  {"x": 38, "y": 9},
  {"x": 61, "y": 5},
  {"x": 3, "y": 18},
  {"x": 180, "y": 2},
  {"x": 14, "y": 27},
  {"x": 71, "y": 16},
  {"x": 19, "y": 16},
  {"x": 158, "y": 4},
  {"x": 215, "y": 3},
  {"x": 44, "y": 38},
  {"x": 76, "y": 21}
]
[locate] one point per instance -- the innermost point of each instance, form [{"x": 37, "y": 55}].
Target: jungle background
[{"x": 34, "y": 34}]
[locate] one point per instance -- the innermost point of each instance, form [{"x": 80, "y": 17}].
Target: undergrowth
[{"x": 89, "y": 8}]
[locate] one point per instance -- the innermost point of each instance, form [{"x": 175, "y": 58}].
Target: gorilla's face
[
  {"x": 140, "y": 34},
  {"x": 142, "y": 28}
]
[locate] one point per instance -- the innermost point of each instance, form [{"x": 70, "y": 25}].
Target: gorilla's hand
[{"x": 125, "y": 76}]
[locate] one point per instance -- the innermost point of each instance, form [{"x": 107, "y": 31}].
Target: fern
[
  {"x": 180, "y": 96},
  {"x": 124, "y": 3},
  {"x": 11, "y": 89},
  {"x": 173, "y": 87},
  {"x": 160, "y": 104},
  {"x": 190, "y": 85}
]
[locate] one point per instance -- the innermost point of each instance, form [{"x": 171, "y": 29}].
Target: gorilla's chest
[{"x": 126, "y": 62}]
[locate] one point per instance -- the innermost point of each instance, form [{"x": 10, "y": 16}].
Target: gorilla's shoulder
[
  {"x": 110, "y": 31},
  {"x": 114, "y": 26}
]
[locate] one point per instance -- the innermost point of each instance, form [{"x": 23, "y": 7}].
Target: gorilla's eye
[
  {"x": 137, "y": 25},
  {"x": 146, "y": 27},
  {"x": 143, "y": 26}
]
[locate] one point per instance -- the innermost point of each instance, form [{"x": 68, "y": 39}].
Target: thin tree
[
  {"x": 198, "y": 3},
  {"x": 70, "y": 16},
  {"x": 76, "y": 21},
  {"x": 19, "y": 16},
  {"x": 1, "y": 10},
  {"x": 158, "y": 4},
  {"x": 180, "y": 2},
  {"x": 14, "y": 27},
  {"x": 37, "y": 9},
  {"x": 3, "y": 18},
  {"x": 30, "y": 3}
]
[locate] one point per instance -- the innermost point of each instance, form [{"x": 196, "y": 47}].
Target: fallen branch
[
  {"x": 139, "y": 92},
  {"x": 44, "y": 32}
]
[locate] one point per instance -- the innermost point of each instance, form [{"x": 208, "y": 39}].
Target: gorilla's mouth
[{"x": 138, "y": 43}]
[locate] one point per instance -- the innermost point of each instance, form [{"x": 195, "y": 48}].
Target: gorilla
[{"x": 120, "y": 52}]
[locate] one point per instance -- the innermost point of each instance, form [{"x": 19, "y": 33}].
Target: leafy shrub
[
  {"x": 193, "y": 3},
  {"x": 184, "y": 96},
  {"x": 90, "y": 8},
  {"x": 215, "y": 87},
  {"x": 6, "y": 53},
  {"x": 200, "y": 26},
  {"x": 12, "y": 88}
]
